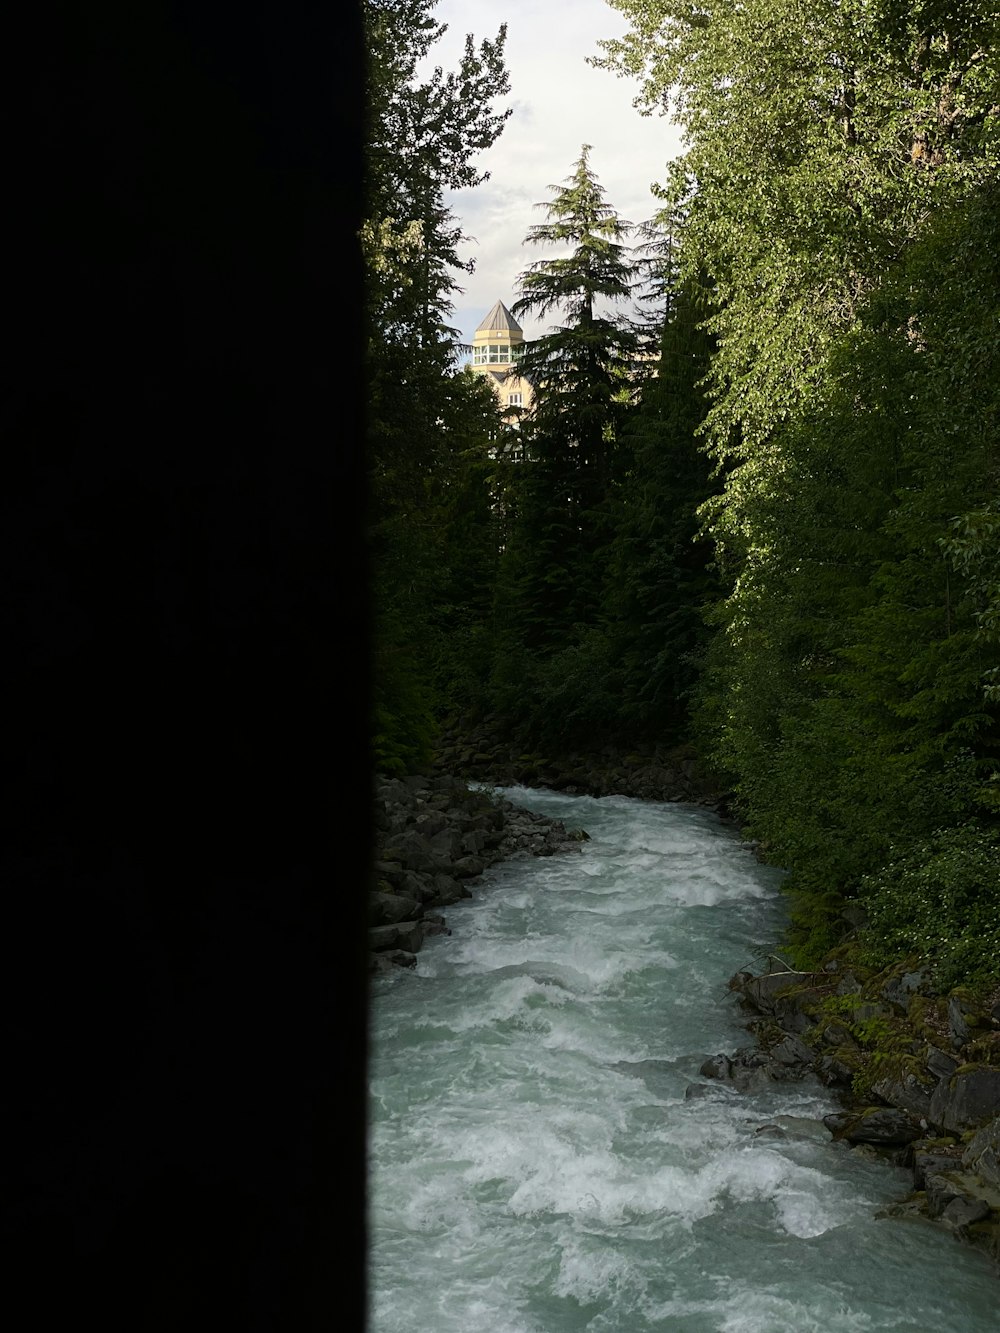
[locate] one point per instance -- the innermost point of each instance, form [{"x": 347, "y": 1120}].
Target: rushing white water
[{"x": 535, "y": 1166}]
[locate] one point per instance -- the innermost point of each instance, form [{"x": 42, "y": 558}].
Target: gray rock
[
  {"x": 386, "y": 909},
  {"x": 967, "y": 1100},
  {"x": 963, "y": 1212},
  {"x": 467, "y": 867},
  {"x": 930, "y": 1163},
  {"x": 848, "y": 985},
  {"x": 392, "y": 871},
  {"x": 387, "y": 962},
  {"x": 835, "y": 1034},
  {"x": 446, "y": 846},
  {"x": 447, "y": 890},
  {"x": 695, "y": 1090},
  {"x": 430, "y": 823},
  {"x": 905, "y": 1091},
  {"x": 899, "y": 989},
  {"x": 406, "y": 935},
  {"x": 958, "y": 1024},
  {"x": 940, "y": 1063},
  {"x": 760, "y": 991},
  {"x": 885, "y": 1126},
  {"x": 982, "y": 1155},
  {"x": 717, "y": 1066},
  {"x": 791, "y": 1051},
  {"x": 833, "y": 1071},
  {"x": 944, "y": 1187},
  {"x": 837, "y": 1121}
]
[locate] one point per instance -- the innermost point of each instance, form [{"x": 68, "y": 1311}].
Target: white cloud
[{"x": 559, "y": 103}]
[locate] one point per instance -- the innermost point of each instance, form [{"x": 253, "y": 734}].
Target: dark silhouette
[{"x": 185, "y": 634}]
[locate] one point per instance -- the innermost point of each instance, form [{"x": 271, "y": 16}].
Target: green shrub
[{"x": 940, "y": 901}]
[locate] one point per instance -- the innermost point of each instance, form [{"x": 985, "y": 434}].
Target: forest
[{"x": 761, "y": 519}]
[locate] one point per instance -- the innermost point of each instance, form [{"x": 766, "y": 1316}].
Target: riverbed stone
[
  {"x": 886, "y": 1126},
  {"x": 406, "y": 935},
  {"x": 717, "y": 1066},
  {"x": 386, "y": 909}
]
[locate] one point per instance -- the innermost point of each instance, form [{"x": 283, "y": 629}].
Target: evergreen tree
[
  {"x": 425, "y": 424},
  {"x": 552, "y": 570},
  {"x": 662, "y": 578}
]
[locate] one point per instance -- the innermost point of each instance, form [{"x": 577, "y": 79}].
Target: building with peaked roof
[{"x": 496, "y": 347}]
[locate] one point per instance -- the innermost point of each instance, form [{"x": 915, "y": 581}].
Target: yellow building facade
[{"x": 496, "y": 347}]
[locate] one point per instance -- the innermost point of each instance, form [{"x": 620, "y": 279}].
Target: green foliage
[
  {"x": 840, "y": 175},
  {"x": 660, "y": 573},
  {"x": 552, "y": 676},
  {"x": 939, "y": 900},
  {"x": 430, "y": 429}
]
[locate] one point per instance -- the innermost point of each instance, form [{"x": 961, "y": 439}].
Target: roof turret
[{"x": 499, "y": 320}]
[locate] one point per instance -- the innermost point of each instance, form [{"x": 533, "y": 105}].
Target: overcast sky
[{"x": 559, "y": 103}]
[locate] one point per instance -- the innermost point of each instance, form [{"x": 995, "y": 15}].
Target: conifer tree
[
  {"x": 579, "y": 371},
  {"x": 424, "y": 425},
  {"x": 661, "y": 563}
]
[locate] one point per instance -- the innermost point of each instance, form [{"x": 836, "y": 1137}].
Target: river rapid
[{"x": 544, "y": 1156}]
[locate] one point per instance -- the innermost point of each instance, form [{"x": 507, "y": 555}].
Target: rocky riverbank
[
  {"x": 659, "y": 773},
  {"x": 918, "y": 1074},
  {"x": 434, "y": 837}
]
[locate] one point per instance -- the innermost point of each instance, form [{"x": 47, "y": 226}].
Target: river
[{"x": 536, "y": 1162}]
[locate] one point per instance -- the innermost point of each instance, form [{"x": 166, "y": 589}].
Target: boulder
[
  {"x": 467, "y": 867},
  {"x": 447, "y": 890},
  {"x": 958, "y": 1022},
  {"x": 406, "y": 935},
  {"x": 386, "y": 909},
  {"x": 967, "y": 1100},
  {"x": 928, "y": 1162},
  {"x": 940, "y": 1063},
  {"x": 760, "y": 991},
  {"x": 383, "y": 963},
  {"x": 944, "y": 1188},
  {"x": 435, "y": 924},
  {"x": 791, "y": 1052},
  {"x": 885, "y": 1126},
  {"x": 965, "y": 1212},
  {"x": 717, "y": 1066},
  {"x": 899, "y": 988},
  {"x": 982, "y": 1155},
  {"x": 906, "y": 1091}
]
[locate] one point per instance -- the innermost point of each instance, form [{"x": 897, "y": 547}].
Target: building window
[
  {"x": 513, "y": 400},
  {"x": 495, "y": 354}
]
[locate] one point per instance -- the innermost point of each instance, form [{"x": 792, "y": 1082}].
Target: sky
[{"x": 559, "y": 103}]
